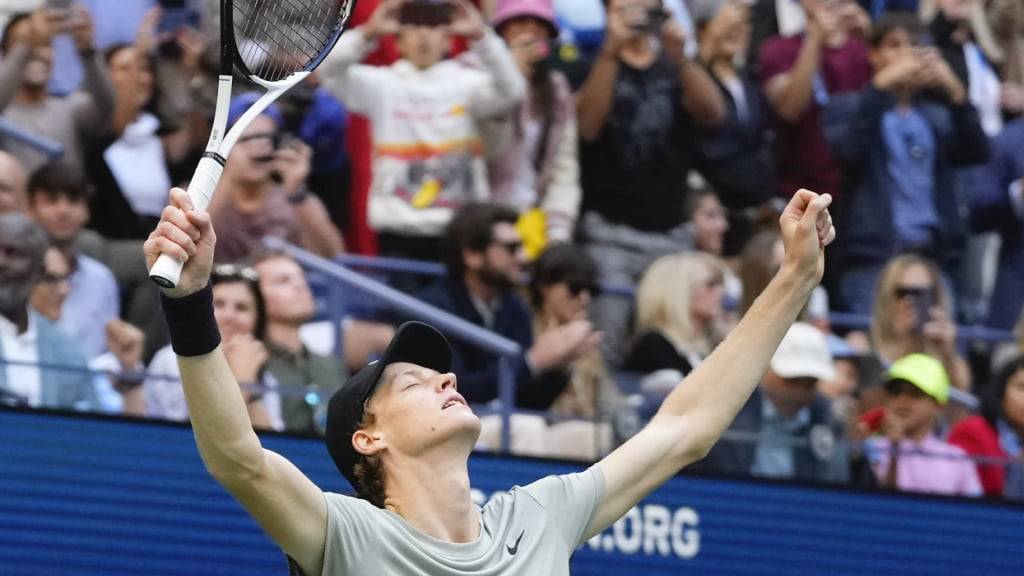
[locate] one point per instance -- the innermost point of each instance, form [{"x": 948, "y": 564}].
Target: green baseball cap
[{"x": 922, "y": 371}]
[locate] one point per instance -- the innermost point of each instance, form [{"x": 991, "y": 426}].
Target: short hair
[
  {"x": 472, "y": 228},
  {"x": 15, "y": 19},
  {"x": 890, "y": 22},
  {"x": 560, "y": 262},
  {"x": 58, "y": 178},
  {"x": 693, "y": 200},
  {"x": 368, "y": 470},
  {"x": 27, "y": 234}
]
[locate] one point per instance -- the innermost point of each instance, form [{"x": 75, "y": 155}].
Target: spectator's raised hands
[
  {"x": 383, "y": 21},
  {"x": 936, "y": 73},
  {"x": 940, "y": 332},
  {"x": 806, "y": 230},
  {"x": 902, "y": 74},
  {"x": 620, "y": 28},
  {"x": 558, "y": 346},
  {"x": 146, "y": 37},
  {"x": 43, "y": 26},
  {"x": 82, "y": 29},
  {"x": 186, "y": 235},
  {"x": 467, "y": 21},
  {"x": 246, "y": 356},
  {"x": 125, "y": 342},
  {"x": 673, "y": 40},
  {"x": 1012, "y": 98},
  {"x": 292, "y": 163}
]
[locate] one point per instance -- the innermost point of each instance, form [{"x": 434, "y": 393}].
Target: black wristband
[{"x": 191, "y": 322}]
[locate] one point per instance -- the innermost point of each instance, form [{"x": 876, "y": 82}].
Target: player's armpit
[
  {"x": 289, "y": 508},
  {"x": 642, "y": 464}
]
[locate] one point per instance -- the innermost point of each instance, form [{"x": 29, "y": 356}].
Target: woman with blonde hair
[
  {"x": 679, "y": 315},
  {"x": 912, "y": 314}
]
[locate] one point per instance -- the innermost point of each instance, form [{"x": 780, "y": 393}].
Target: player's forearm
[
  {"x": 710, "y": 397},
  {"x": 220, "y": 420}
]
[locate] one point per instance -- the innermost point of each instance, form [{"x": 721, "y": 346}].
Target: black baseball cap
[{"x": 413, "y": 342}]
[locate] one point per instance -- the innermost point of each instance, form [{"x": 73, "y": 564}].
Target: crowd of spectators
[{"x": 601, "y": 181}]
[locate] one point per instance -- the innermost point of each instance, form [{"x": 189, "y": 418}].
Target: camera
[{"x": 655, "y": 20}]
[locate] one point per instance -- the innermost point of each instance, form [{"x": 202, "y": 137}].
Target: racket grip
[{"x": 166, "y": 272}]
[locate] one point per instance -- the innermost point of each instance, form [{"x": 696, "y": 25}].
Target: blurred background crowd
[{"x": 598, "y": 182}]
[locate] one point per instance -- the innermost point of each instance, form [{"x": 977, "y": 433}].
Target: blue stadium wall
[{"x": 91, "y": 496}]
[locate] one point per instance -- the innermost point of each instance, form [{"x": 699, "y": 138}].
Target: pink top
[{"x": 930, "y": 465}]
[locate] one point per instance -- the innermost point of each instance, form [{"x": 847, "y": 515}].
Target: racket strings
[{"x": 277, "y": 38}]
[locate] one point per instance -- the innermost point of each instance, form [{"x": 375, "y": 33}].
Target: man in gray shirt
[
  {"x": 399, "y": 431},
  {"x": 24, "y": 74}
]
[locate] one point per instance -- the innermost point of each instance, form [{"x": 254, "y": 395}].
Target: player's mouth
[{"x": 456, "y": 400}]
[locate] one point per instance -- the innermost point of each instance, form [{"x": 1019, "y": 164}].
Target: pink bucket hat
[{"x": 508, "y": 9}]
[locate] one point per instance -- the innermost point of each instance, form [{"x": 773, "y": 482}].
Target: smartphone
[
  {"x": 426, "y": 13},
  {"x": 923, "y": 304},
  {"x": 656, "y": 18}
]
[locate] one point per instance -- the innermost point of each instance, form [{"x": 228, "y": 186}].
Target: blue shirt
[
  {"x": 910, "y": 151},
  {"x": 93, "y": 300},
  {"x": 773, "y": 456}
]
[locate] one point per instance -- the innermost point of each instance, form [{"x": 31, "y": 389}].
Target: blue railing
[
  {"x": 507, "y": 351},
  {"x": 51, "y": 148}
]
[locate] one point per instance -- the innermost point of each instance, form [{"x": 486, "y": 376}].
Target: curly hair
[{"x": 369, "y": 471}]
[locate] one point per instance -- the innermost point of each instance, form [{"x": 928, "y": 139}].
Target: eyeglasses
[
  {"x": 512, "y": 246},
  {"x": 577, "y": 288},
  {"x": 51, "y": 278},
  {"x": 228, "y": 272},
  {"x": 904, "y": 292}
]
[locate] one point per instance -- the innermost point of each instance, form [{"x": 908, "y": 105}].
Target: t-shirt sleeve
[
  {"x": 775, "y": 57},
  {"x": 353, "y": 528},
  {"x": 571, "y": 500}
]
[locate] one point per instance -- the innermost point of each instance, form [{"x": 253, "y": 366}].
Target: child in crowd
[{"x": 911, "y": 456}]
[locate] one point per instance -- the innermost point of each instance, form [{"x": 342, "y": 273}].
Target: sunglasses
[
  {"x": 904, "y": 292},
  {"x": 233, "y": 272},
  {"x": 577, "y": 288},
  {"x": 512, "y": 247},
  {"x": 51, "y": 278}
]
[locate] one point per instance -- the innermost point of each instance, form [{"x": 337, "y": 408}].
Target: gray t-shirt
[{"x": 527, "y": 531}]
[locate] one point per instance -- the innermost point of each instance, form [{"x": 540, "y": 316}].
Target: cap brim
[{"x": 804, "y": 369}]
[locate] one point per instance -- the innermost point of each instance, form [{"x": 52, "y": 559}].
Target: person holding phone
[
  {"x": 636, "y": 112},
  {"x": 263, "y": 191},
  {"x": 900, "y": 142},
  {"x": 425, "y": 112},
  {"x": 912, "y": 314},
  {"x": 532, "y": 151},
  {"x": 27, "y": 49}
]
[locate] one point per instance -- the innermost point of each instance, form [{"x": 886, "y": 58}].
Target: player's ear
[{"x": 368, "y": 442}]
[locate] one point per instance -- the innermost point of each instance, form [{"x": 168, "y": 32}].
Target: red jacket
[{"x": 977, "y": 437}]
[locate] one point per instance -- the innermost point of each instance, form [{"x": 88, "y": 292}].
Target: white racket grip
[{"x": 166, "y": 272}]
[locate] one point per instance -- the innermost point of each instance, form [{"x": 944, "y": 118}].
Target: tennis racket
[{"x": 274, "y": 44}]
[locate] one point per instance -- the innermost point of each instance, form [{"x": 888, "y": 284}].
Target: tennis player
[{"x": 399, "y": 431}]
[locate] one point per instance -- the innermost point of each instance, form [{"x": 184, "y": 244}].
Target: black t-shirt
[
  {"x": 635, "y": 172},
  {"x": 653, "y": 352}
]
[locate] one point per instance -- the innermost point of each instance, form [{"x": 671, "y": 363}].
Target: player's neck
[{"x": 434, "y": 497}]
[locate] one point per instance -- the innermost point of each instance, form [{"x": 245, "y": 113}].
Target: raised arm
[
  {"x": 701, "y": 98},
  {"x": 789, "y": 93},
  {"x": 92, "y": 113},
  {"x": 286, "y": 504},
  {"x": 595, "y": 98},
  {"x": 703, "y": 405}
]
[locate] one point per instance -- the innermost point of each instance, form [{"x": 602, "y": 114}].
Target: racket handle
[{"x": 166, "y": 272}]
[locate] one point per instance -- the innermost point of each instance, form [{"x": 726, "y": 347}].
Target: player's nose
[{"x": 445, "y": 381}]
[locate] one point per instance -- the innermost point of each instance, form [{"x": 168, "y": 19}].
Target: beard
[{"x": 496, "y": 278}]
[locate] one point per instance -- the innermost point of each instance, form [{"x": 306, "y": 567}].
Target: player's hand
[
  {"x": 125, "y": 342},
  {"x": 186, "y": 235},
  {"x": 383, "y": 21},
  {"x": 246, "y": 356},
  {"x": 806, "y": 231},
  {"x": 467, "y": 21}
]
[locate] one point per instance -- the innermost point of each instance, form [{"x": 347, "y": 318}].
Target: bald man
[{"x": 12, "y": 184}]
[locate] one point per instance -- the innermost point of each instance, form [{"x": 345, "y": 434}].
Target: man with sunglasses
[{"x": 484, "y": 255}]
